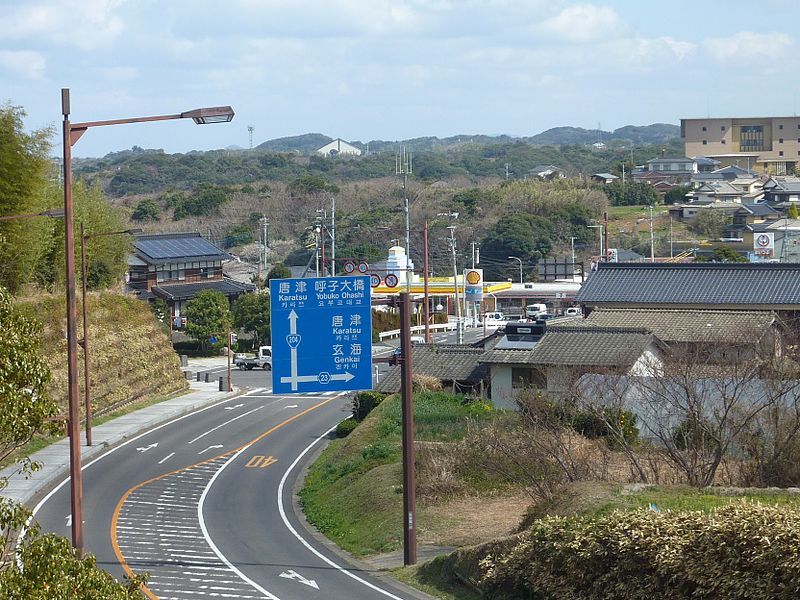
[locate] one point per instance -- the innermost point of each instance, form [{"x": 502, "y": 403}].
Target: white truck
[
  {"x": 534, "y": 311},
  {"x": 262, "y": 359}
]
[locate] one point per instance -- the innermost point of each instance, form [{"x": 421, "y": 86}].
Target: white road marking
[
  {"x": 210, "y": 542},
  {"x": 69, "y": 520},
  {"x": 166, "y": 458},
  {"x": 300, "y": 538},
  {"x": 291, "y": 406},
  {"x": 289, "y": 574},
  {"x": 144, "y": 449},
  {"x": 225, "y": 423},
  {"x": 234, "y": 407},
  {"x": 210, "y": 448}
]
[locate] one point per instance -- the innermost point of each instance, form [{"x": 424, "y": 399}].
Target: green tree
[
  {"x": 525, "y": 236},
  {"x": 47, "y": 566},
  {"x": 631, "y": 194},
  {"x": 207, "y": 315},
  {"x": 251, "y": 314},
  {"x": 793, "y": 212},
  {"x": 677, "y": 194},
  {"x": 723, "y": 254},
  {"x": 146, "y": 210},
  {"x": 709, "y": 222},
  {"x": 278, "y": 271},
  {"x": 24, "y": 170}
]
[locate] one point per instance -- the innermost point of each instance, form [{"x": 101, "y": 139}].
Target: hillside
[
  {"x": 131, "y": 357},
  {"x": 304, "y": 144}
]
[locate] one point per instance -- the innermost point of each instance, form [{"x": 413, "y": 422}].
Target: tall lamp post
[
  {"x": 520, "y": 266},
  {"x": 72, "y": 132},
  {"x": 85, "y": 344}
]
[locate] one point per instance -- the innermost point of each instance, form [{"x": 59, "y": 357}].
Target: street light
[
  {"x": 72, "y": 132},
  {"x": 520, "y": 266},
  {"x": 86, "y": 390}
]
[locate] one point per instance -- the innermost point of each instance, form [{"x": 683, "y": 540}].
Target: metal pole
[
  {"x": 230, "y": 387},
  {"x": 333, "y": 236},
  {"x": 425, "y": 276},
  {"x": 409, "y": 479},
  {"x": 322, "y": 234},
  {"x": 459, "y": 323},
  {"x": 76, "y": 482},
  {"x": 86, "y": 385},
  {"x": 652, "y": 240},
  {"x": 408, "y": 233}
]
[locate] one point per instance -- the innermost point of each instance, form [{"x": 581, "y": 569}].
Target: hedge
[{"x": 742, "y": 550}]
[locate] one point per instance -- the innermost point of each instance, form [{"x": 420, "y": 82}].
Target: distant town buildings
[
  {"x": 337, "y": 147},
  {"x": 768, "y": 144}
]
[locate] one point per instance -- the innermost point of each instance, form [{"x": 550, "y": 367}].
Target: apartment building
[{"x": 768, "y": 144}]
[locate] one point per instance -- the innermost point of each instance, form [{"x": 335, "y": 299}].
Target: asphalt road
[{"x": 204, "y": 504}]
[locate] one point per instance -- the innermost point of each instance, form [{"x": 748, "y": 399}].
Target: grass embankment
[
  {"x": 131, "y": 358},
  {"x": 354, "y": 493}
]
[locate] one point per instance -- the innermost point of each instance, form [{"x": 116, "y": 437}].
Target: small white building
[
  {"x": 339, "y": 147},
  {"x": 397, "y": 263}
]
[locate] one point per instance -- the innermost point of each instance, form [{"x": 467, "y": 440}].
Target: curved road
[{"x": 204, "y": 504}]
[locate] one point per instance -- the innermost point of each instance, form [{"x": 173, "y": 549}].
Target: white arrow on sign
[
  {"x": 146, "y": 448},
  {"x": 234, "y": 407},
  {"x": 289, "y": 574},
  {"x": 210, "y": 448}
]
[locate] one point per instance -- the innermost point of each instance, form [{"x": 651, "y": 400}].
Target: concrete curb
[{"x": 348, "y": 560}]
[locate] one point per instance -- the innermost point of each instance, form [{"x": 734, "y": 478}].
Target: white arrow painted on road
[
  {"x": 69, "y": 520},
  {"x": 146, "y": 448},
  {"x": 210, "y": 448},
  {"x": 299, "y": 578},
  {"x": 234, "y": 407}
]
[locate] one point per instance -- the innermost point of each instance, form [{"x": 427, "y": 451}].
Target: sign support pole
[
  {"x": 427, "y": 297},
  {"x": 409, "y": 478},
  {"x": 230, "y": 387}
]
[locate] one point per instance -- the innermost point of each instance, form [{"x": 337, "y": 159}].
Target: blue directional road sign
[{"x": 321, "y": 334}]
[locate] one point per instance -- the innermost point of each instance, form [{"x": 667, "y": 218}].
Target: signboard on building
[
  {"x": 321, "y": 334},
  {"x": 473, "y": 285},
  {"x": 764, "y": 245},
  {"x": 550, "y": 269}
]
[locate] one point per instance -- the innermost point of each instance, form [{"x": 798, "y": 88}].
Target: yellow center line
[{"x": 118, "y": 509}]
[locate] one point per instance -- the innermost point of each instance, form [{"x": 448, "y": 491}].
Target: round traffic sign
[
  {"x": 349, "y": 267},
  {"x": 374, "y": 280},
  {"x": 391, "y": 280},
  {"x": 363, "y": 267}
]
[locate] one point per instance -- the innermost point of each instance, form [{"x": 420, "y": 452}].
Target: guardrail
[{"x": 385, "y": 335}]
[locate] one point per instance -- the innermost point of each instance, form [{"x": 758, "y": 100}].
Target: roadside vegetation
[{"x": 676, "y": 485}]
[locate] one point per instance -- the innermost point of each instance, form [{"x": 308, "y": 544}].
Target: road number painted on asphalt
[{"x": 261, "y": 462}]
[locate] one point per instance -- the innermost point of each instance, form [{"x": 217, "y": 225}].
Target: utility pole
[
  {"x": 407, "y": 394},
  {"x": 572, "y": 248},
  {"x": 425, "y": 276},
  {"x": 507, "y": 171},
  {"x": 333, "y": 235},
  {"x": 652, "y": 239},
  {"x": 404, "y": 166},
  {"x": 459, "y": 322},
  {"x": 670, "y": 236}
]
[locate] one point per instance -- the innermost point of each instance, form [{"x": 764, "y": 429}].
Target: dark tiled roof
[
  {"x": 685, "y": 325},
  {"x": 759, "y": 209},
  {"x": 713, "y": 284},
  {"x": 184, "y": 291},
  {"x": 580, "y": 346},
  {"x": 175, "y": 247},
  {"x": 445, "y": 362}
]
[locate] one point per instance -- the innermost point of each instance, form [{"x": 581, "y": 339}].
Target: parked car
[
  {"x": 573, "y": 311},
  {"x": 262, "y": 359},
  {"x": 532, "y": 311}
]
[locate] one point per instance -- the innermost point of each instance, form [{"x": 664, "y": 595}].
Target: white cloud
[
  {"x": 583, "y": 23},
  {"x": 86, "y": 24},
  {"x": 748, "y": 48},
  {"x": 28, "y": 64}
]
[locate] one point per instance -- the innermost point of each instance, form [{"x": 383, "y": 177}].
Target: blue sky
[{"x": 380, "y": 69}]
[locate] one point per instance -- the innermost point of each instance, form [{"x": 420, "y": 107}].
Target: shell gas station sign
[{"x": 473, "y": 285}]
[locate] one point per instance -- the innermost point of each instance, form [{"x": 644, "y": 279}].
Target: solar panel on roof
[{"x": 177, "y": 247}]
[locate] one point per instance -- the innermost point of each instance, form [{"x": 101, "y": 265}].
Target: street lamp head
[
  {"x": 55, "y": 213},
  {"x": 215, "y": 114}
]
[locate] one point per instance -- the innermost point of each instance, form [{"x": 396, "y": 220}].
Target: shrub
[
  {"x": 344, "y": 428},
  {"x": 742, "y": 550},
  {"x": 364, "y": 402}
]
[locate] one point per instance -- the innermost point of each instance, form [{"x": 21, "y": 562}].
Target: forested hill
[{"x": 152, "y": 171}]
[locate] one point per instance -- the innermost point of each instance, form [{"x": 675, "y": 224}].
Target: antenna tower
[
  {"x": 404, "y": 165},
  {"x": 250, "y": 130}
]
